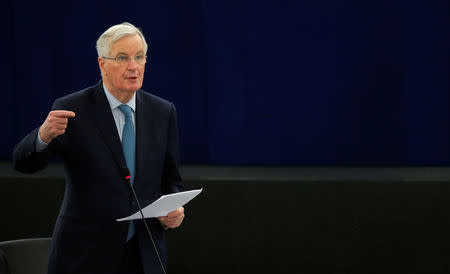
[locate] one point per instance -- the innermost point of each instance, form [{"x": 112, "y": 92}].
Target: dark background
[{"x": 255, "y": 82}]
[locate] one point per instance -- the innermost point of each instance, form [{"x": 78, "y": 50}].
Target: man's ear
[{"x": 101, "y": 63}]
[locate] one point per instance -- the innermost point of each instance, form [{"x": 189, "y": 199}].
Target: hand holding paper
[{"x": 173, "y": 219}]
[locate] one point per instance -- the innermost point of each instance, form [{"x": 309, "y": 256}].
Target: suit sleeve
[
  {"x": 172, "y": 181},
  {"x": 25, "y": 157}
]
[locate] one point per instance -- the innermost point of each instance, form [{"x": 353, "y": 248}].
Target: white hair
[{"x": 114, "y": 33}]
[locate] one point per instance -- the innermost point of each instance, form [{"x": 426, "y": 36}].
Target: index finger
[{"x": 63, "y": 113}]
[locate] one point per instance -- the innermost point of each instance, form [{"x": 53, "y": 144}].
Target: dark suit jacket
[{"x": 86, "y": 237}]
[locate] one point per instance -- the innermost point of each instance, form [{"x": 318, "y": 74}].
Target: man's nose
[{"x": 132, "y": 64}]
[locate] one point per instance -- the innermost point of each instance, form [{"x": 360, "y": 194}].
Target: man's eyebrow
[{"x": 123, "y": 53}]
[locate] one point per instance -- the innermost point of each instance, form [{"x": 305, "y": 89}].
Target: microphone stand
[{"x": 127, "y": 179}]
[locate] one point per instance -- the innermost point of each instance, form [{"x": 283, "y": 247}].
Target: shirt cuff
[
  {"x": 165, "y": 227},
  {"x": 40, "y": 145}
]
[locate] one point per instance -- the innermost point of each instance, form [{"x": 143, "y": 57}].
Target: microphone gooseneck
[{"x": 125, "y": 172}]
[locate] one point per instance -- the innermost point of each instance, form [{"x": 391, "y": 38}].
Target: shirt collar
[{"x": 114, "y": 103}]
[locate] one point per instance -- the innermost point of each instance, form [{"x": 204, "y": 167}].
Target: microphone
[{"x": 126, "y": 176}]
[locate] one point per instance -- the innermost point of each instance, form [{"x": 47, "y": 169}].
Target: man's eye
[
  {"x": 139, "y": 57},
  {"x": 122, "y": 58}
]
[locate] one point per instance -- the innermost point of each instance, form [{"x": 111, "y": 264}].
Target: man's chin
[{"x": 132, "y": 87}]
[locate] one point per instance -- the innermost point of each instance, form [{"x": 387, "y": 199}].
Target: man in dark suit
[{"x": 102, "y": 133}]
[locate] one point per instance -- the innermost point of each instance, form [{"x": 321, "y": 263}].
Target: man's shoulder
[{"x": 151, "y": 99}]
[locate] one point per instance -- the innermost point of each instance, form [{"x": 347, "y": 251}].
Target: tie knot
[{"x": 126, "y": 110}]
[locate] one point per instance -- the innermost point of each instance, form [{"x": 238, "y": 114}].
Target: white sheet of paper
[{"x": 164, "y": 205}]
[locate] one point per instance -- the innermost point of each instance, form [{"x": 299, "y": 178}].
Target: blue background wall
[{"x": 255, "y": 82}]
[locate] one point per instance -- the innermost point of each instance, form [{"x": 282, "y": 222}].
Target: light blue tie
[{"x": 129, "y": 149}]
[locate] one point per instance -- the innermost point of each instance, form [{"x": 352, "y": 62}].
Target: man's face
[{"x": 128, "y": 76}]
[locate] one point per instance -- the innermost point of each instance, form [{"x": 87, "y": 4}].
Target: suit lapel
[
  {"x": 144, "y": 126},
  {"x": 100, "y": 111},
  {"x": 140, "y": 134}
]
